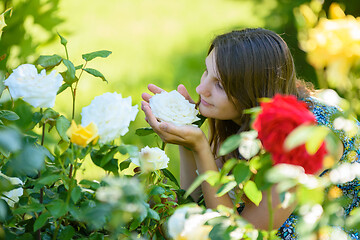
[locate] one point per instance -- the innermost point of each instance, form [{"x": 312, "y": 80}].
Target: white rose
[
  {"x": 249, "y": 144},
  {"x": 151, "y": 159},
  {"x": 39, "y": 90},
  {"x": 12, "y": 196},
  {"x": 188, "y": 223},
  {"x": 111, "y": 114},
  {"x": 174, "y": 108}
]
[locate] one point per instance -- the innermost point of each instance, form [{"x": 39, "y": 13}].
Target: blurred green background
[{"x": 152, "y": 41}]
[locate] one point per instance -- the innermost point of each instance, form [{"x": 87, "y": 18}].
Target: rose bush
[
  {"x": 39, "y": 90},
  {"x": 12, "y": 196},
  {"x": 111, "y": 114},
  {"x": 174, "y": 108},
  {"x": 151, "y": 159},
  {"x": 277, "y": 119}
]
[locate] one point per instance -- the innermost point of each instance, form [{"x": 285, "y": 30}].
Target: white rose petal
[
  {"x": 174, "y": 108},
  {"x": 346, "y": 172},
  {"x": 249, "y": 144},
  {"x": 12, "y": 196},
  {"x": 329, "y": 97},
  {"x": 111, "y": 114},
  {"x": 39, "y": 90},
  {"x": 151, "y": 159},
  {"x": 109, "y": 194}
]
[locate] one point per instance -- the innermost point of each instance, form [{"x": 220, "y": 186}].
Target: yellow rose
[
  {"x": 335, "y": 11},
  {"x": 82, "y": 136}
]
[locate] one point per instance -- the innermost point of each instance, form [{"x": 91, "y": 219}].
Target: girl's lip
[{"x": 205, "y": 103}]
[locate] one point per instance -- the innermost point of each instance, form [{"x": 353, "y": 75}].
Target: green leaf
[
  {"x": 226, "y": 188},
  {"x": 63, "y": 88},
  {"x": 170, "y": 176},
  {"x": 9, "y": 115},
  {"x": 41, "y": 220},
  {"x": 49, "y": 61},
  {"x": 95, "y": 73},
  {"x": 200, "y": 122},
  {"x": 254, "y": 110},
  {"x": 92, "y": 55},
  {"x": 67, "y": 233},
  {"x": 228, "y": 166},
  {"x": 70, "y": 73},
  {"x": 318, "y": 136},
  {"x": 230, "y": 144},
  {"x": 2, "y": 84},
  {"x": 50, "y": 115},
  {"x": 153, "y": 214},
  {"x": 108, "y": 157},
  {"x": 298, "y": 136},
  {"x": 57, "y": 208},
  {"x": 252, "y": 192},
  {"x": 91, "y": 184},
  {"x": 241, "y": 172},
  {"x": 157, "y": 190},
  {"x": 79, "y": 67},
  {"x": 48, "y": 179},
  {"x": 199, "y": 180},
  {"x": 63, "y": 41},
  {"x": 124, "y": 164},
  {"x": 144, "y": 131},
  {"x": 76, "y": 194},
  {"x": 62, "y": 125}
]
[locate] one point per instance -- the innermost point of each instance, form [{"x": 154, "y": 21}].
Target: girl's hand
[{"x": 188, "y": 136}]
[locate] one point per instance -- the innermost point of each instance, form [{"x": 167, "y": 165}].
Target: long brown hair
[{"x": 252, "y": 64}]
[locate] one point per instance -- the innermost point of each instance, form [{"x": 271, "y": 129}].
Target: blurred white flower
[
  {"x": 311, "y": 213},
  {"x": 188, "y": 223},
  {"x": 349, "y": 126},
  {"x": 109, "y": 194},
  {"x": 39, "y": 90},
  {"x": 346, "y": 172},
  {"x": 238, "y": 233},
  {"x": 329, "y": 97},
  {"x": 174, "y": 108},
  {"x": 12, "y": 196},
  {"x": 249, "y": 144},
  {"x": 111, "y": 114},
  {"x": 151, "y": 159}
]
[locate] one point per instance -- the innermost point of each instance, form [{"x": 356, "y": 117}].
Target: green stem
[
  {"x": 163, "y": 146},
  {"x": 41, "y": 189},
  {"x": 73, "y": 92},
  {"x": 57, "y": 229},
  {"x": 271, "y": 213},
  {"x": 66, "y": 51}
]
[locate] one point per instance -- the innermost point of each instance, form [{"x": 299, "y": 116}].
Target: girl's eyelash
[{"x": 219, "y": 85}]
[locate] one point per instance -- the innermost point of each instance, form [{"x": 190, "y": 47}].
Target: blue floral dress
[{"x": 325, "y": 115}]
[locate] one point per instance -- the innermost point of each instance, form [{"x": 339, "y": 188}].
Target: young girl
[{"x": 241, "y": 67}]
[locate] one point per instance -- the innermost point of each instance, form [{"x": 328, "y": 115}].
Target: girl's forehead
[{"x": 210, "y": 62}]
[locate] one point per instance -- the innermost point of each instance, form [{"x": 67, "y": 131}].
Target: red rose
[{"x": 277, "y": 119}]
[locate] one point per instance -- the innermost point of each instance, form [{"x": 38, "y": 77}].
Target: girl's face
[{"x": 214, "y": 101}]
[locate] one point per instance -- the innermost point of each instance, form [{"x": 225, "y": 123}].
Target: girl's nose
[{"x": 203, "y": 89}]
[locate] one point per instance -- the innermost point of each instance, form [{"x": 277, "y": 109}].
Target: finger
[
  {"x": 182, "y": 90},
  {"x": 146, "y": 96},
  {"x": 151, "y": 119},
  {"x": 155, "y": 89},
  {"x": 172, "y": 130}
]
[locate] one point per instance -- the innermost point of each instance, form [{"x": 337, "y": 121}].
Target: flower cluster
[
  {"x": 111, "y": 114},
  {"x": 278, "y": 118},
  {"x": 174, "y": 108},
  {"x": 37, "y": 89}
]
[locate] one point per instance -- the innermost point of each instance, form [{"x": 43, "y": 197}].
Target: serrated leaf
[
  {"x": 124, "y": 164},
  {"x": 41, "y": 220},
  {"x": 76, "y": 194},
  {"x": 9, "y": 115},
  {"x": 95, "y": 73},
  {"x": 241, "y": 172},
  {"x": 230, "y": 144},
  {"x": 92, "y": 55},
  {"x": 49, "y": 179},
  {"x": 57, "y": 208},
  {"x": 49, "y": 61},
  {"x": 144, "y": 131},
  {"x": 62, "y": 125},
  {"x": 62, "y": 88},
  {"x": 226, "y": 188},
  {"x": 252, "y": 192},
  {"x": 70, "y": 73}
]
